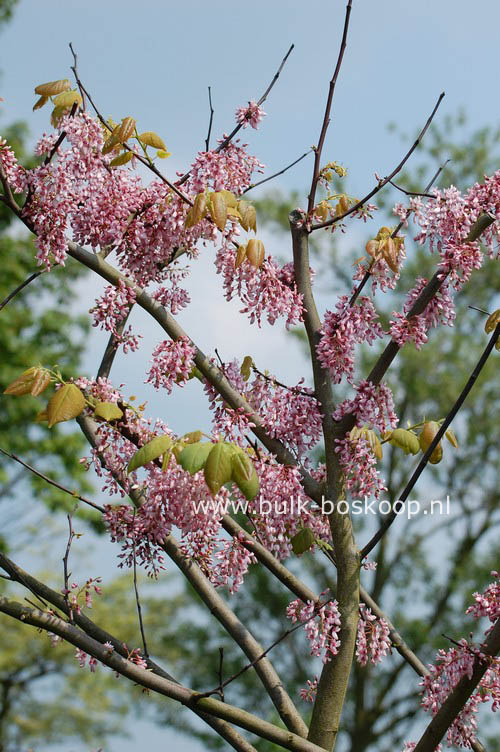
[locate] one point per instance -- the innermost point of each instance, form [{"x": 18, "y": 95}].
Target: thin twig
[
  {"x": 410, "y": 193},
  {"x": 235, "y": 130},
  {"x": 272, "y": 380},
  {"x": 326, "y": 119},
  {"x": 409, "y": 211},
  {"x": 74, "y": 68},
  {"x": 480, "y": 310},
  {"x": 67, "y": 574},
  {"x": 439, "y": 435},
  {"x": 317, "y": 608},
  {"x": 20, "y": 287},
  {"x": 141, "y": 159},
  {"x": 137, "y": 599},
  {"x": 207, "y": 140},
  {"x": 54, "y": 483},
  {"x": 276, "y": 174},
  {"x": 385, "y": 180}
]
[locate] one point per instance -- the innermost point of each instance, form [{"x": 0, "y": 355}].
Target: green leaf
[
  {"x": 193, "y": 457},
  {"x": 108, "y": 411},
  {"x": 302, "y": 541},
  {"x": 150, "y": 451},
  {"x": 65, "y": 404},
  {"x": 405, "y": 440},
  {"x": 218, "y": 467},
  {"x": 244, "y": 475}
]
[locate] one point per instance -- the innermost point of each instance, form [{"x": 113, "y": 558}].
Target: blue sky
[{"x": 154, "y": 60}]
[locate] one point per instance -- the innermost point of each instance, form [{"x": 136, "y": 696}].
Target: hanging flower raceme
[
  {"x": 230, "y": 169},
  {"x": 14, "y": 172},
  {"x": 373, "y": 406},
  {"x": 266, "y": 291},
  {"x": 172, "y": 363},
  {"x": 373, "y": 639},
  {"x": 440, "y": 311},
  {"x": 322, "y": 631},
  {"x": 342, "y": 331},
  {"x": 459, "y": 661},
  {"x": 111, "y": 309},
  {"x": 358, "y": 465}
]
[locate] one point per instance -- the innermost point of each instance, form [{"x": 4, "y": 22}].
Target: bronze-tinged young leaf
[
  {"x": 241, "y": 255},
  {"x": 149, "y": 138},
  {"x": 199, "y": 209},
  {"x": 121, "y": 159},
  {"x": 52, "y": 88},
  {"x": 244, "y": 474},
  {"x": 112, "y": 141},
  {"x": 41, "y": 417},
  {"x": 218, "y": 210},
  {"x": 492, "y": 321},
  {"x": 255, "y": 252},
  {"x": 450, "y": 435},
  {"x": 40, "y": 103},
  {"x": 405, "y": 440},
  {"x": 149, "y": 452},
  {"x": 193, "y": 457},
  {"x": 22, "y": 384},
  {"x": 426, "y": 437},
  {"x": 390, "y": 254},
  {"x": 302, "y": 541},
  {"x": 229, "y": 199},
  {"x": 218, "y": 467},
  {"x": 41, "y": 381},
  {"x": 248, "y": 216},
  {"x": 57, "y": 114},
  {"x": 189, "y": 221},
  {"x": 68, "y": 99},
  {"x": 162, "y": 154},
  {"x": 126, "y": 129},
  {"x": 246, "y": 367},
  {"x": 65, "y": 404},
  {"x": 108, "y": 411}
]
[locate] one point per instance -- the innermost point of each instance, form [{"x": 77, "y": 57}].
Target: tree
[
  {"x": 370, "y": 718},
  {"x": 188, "y": 483}
]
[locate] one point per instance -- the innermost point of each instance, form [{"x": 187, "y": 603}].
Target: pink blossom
[
  {"x": 358, "y": 464},
  {"x": 373, "y": 406},
  {"x": 309, "y": 693},
  {"x": 172, "y": 364},
  {"x": 251, "y": 115},
  {"x": 322, "y": 631},
  {"x": 342, "y": 331},
  {"x": 373, "y": 639}
]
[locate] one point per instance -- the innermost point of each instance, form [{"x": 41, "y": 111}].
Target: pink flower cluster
[
  {"x": 111, "y": 309},
  {"x": 358, "y": 464},
  {"x": 446, "y": 220},
  {"x": 309, "y": 693},
  {"x": 266, "y": 291},
  {"x": 321, "y": 625},
  {"x": 440, "y": 311},
  {"x": 373, "y": 406},
  {"x": 14, "y": 173},
  {"x": 487, "y": 604},
  {"x": 172, "y": 364},
  {"x": 342, "y": 331},
  {"x": 373, "y": 639},
  {"x": 459, "y": 661},
  {"x": 230, "y": 169},
  {"x": 250, "y": 115}
]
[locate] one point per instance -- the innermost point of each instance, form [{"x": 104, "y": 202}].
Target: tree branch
[
  {"x": 145, "y": 678},
  {"x": 439, "y": 435},
  {"x": 326, "y": 119},
  {"x": 458, "y": 697},
  {"x": 385, "y": 180}
]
